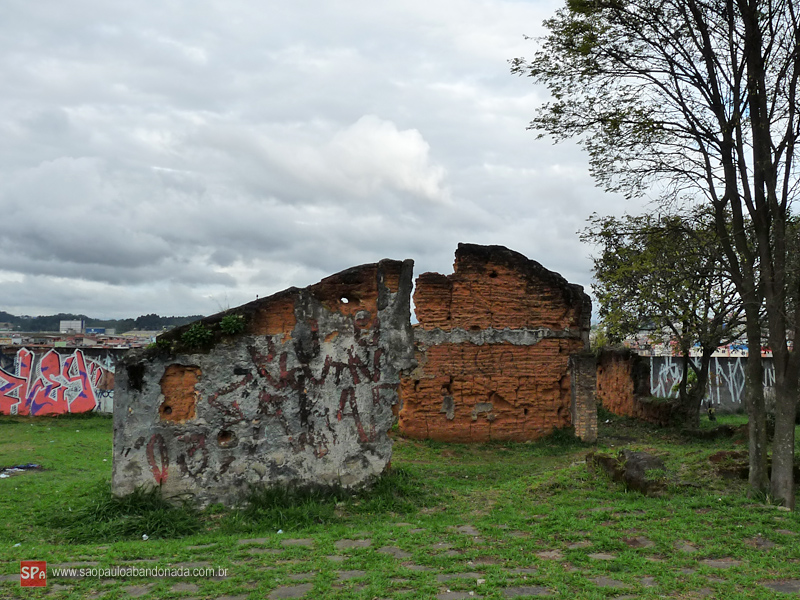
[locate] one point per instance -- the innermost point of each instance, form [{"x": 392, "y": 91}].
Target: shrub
[
  {"x": 232, "y": 324},
  {"x": 197, "y": 336}
]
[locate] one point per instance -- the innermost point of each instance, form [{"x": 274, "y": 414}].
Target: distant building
[
  {"x": 6, "y": 326},
  {"x": 95, "y": 331},
  {"x": 70, "y": 327}
]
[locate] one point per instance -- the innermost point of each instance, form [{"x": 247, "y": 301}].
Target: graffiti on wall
[
  {"x": 725, "y": 384},
  {"x": 56, "y": 384}
]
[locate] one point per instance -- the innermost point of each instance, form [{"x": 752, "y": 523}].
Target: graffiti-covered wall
[
  {"x": 726, "y": 379},
  {"x": 48, "y": 382},
  {"x": 293, "y": 389}
]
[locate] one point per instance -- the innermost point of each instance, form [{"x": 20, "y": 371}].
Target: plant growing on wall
[
  {"x": 197, "y": 336},
  {"x": 160, "y": 345},
  {"x": 232, "y": 324}
]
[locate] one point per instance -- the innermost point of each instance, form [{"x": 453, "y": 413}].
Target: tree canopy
[
  {"x": 696, "y": 101},
  {"x": 663, "y": 273}
]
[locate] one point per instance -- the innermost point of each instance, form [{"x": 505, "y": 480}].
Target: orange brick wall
[
  {"x": 493, "y": 345},
  {"x": 615, "y": 389},
  {"x": 623, "y": 387}
]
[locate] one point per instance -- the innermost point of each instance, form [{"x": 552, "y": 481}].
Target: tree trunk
[
  {"x": 683, "y": 396},
  {"x": 756, "y": 412},
  {"x": 782, "y": 476},
  {"x": 694, "y": 397}
]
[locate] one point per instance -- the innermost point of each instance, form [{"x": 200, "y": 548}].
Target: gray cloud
[{"x": 179, "y": 157}]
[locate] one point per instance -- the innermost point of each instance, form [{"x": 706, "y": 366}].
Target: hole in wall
[
  {"x": 136, "y": 376},
  {"x": 525, "y": 411},
  {"x": 167, "y": 410},
  {"x": 493, "y": 274},
  {"x": 227, "y": 439}
]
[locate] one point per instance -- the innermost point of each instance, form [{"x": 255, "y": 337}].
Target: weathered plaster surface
[{"x": 302, "y": 396}]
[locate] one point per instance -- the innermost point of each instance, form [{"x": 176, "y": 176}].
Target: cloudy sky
[{"x": 181, "y": 157}]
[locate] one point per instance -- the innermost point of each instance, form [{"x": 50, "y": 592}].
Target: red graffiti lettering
[{"x": 160, "y": 468}]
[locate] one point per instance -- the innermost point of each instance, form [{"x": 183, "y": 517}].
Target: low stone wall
[{"x": 302, "y": 396}]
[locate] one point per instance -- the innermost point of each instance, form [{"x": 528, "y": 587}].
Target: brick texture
[
  {"x": 178, "y": 387},
  {"x": 493, "y": 347},
  {"x": 623, "y": 387}
]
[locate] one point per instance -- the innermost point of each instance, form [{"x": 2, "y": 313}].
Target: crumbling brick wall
[
  {"x": 493, "y": 344},
  {"x": 583, "y": 381},
  {"x": 303, "y": 395},
  {"x": 623, "y": 387}
]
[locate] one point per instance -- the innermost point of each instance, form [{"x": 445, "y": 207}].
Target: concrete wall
[
  {"x": 303, "y": 395},
  {"x": 725, "y": 385},
  {"x": 493, "y": 345},
  {"x": 50, "y": 382}
]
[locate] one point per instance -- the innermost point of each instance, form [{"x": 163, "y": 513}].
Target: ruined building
[
  {"x": 623, "y": 387},
  {"x": 299, "y": 388},
  {"x": 303, "y": 394},
  {"x": 493, "y": 348}
]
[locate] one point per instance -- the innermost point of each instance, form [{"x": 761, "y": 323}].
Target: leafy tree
[
  {"x": 663, "y": 273},
  {"x": 696, "y": 100}
]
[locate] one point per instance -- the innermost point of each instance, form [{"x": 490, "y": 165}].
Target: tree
[
  {"x": 696, "y": 101},
  {"x": 663, "y": 272}
]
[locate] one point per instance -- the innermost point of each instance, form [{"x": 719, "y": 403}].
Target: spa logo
[{"x": 33, "y": 573}]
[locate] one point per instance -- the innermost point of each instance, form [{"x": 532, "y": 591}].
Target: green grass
[
  {"x": 511, "y": 501},
  {"x": 101, "y": 517}
]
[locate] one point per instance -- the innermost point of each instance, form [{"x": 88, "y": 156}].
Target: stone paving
[{"x": 280, "y": 567}]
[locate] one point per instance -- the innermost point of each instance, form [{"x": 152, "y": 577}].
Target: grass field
[{"x": 451, "y": 521}]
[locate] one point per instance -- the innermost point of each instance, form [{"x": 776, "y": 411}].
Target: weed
[
  {"x": 655, "y": 474},
  {"x": 197, "y": 336},
  {"x": 285, "y": 508},
  {"x": 563, "y": 438},
  {"x": 160, "y": 345},
  {"x": 302, "y": 507},
  {"x": 232, "y": 324}
]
